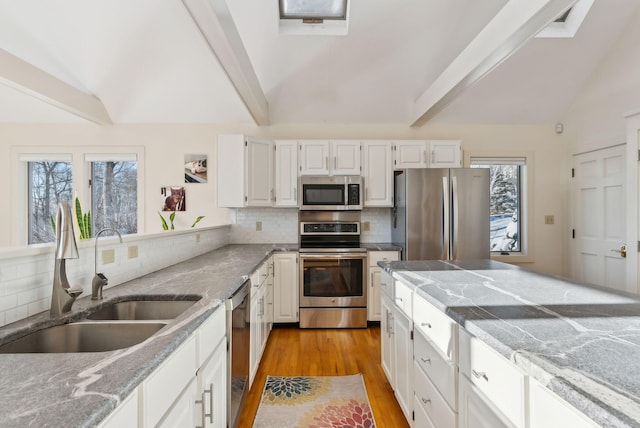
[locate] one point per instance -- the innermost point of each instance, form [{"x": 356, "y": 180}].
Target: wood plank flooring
[{"x": 327, "y": 352}]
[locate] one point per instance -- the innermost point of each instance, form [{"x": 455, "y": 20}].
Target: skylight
[
  {"x": 566, "y": 25},
  {"x": 313, "y": 17}
]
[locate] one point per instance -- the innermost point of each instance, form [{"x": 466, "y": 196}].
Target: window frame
[
  {"x": 81, "y": 173},
  {"x": 525, "y": 255}
]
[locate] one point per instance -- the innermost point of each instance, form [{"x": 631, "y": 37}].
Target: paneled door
[{"x": 599, "y": 217}]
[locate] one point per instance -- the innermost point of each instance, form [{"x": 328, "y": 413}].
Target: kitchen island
[
  {"x": 81, "y": 389},
  {"x": 581, "y": 342}
]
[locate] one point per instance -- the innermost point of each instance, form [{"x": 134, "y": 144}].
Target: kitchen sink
[
  {"x": 83, "y": 337},
  {"x": 142, "y": 310}
]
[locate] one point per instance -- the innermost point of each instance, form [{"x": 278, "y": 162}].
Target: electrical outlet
[
  {"x": 108, "y": 256},
  {"x": 258, "y": 226},
  {"x": 132, "y": 252},
  {"x": 197, "y": 238},
  {"x": 366, "y": 226},
  {"x": 549, "y": 219}
]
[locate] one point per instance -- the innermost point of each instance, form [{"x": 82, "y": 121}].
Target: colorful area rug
[{"x": 314, "y": 402}]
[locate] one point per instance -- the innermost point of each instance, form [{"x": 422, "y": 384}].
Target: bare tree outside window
[
  {"x": 49, "y": 184},
  {"x": 114, "y": 195}
]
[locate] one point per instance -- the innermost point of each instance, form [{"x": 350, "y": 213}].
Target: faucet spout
[
  {"x": 99, "y": 279},
  {"x": 63, "y": 295}
]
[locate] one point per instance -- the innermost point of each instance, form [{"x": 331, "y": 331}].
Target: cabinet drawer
[
  {"x": 166, "y": 383},
  {"x": 501, "y": 382},
  {"x": 421, "y": 419},
  {"x": 441, "y": 330},
  {"x": 546, "y": 410},
  {"x": 210, "y": 333},
  {"x": 381, "y": 256},
  {"x": 403, "y": 298},
  {"x": 443, "y": 374},
  {"x": 430, "y": 399}
]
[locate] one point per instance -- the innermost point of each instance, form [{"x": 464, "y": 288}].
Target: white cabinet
[
  {"x": 285, "y": 287},
  {"x": 245, "y": 172},
  {"x": 386, "y": 340},
  {"x": 374, "y": 283},
  {"x": 191, "y": 384},
  {"x": 474, "y": 411},
  {"x": 445, "y": 154},
  {"x": 403, "y": 360},
  {"x": 286, "y": 173},
  {"x": 410, "y": 154},
  {"x": 441, "y": 330},
  {"x": 429, "y": 398},
  {"x": 321, "y": 157},
  {"x": 377, "y": 172},
  {"x": 260, "y": 322},
  {"x": 547, "y": 410},
  {"x": 125, "y": 415}
]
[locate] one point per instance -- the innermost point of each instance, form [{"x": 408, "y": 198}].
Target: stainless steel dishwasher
[{"x": 238, "y": 334}]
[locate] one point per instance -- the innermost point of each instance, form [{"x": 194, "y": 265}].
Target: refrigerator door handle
[
  {"x": 445, "y": 220},
  {"x": 454, "y": 217}
]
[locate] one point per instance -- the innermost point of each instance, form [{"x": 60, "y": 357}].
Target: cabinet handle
[
  {"x": 425, "y": 400},
  {"x": 425, "y": 324},
  {"x": 295, "y": 194},
  {"x": 426, "y": 360},
  {"x": 335, "y": 162},
  {"x": 424, "y": 156},
  {"x": 371, "y": 279},
  {"x": 210, "y": 392},
  {"x": 480, "y": 375},
  {"x": 399, "y": 299},
  {"x": 326, "y": 162}
]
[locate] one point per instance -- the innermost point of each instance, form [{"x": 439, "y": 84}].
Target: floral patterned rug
[{"x": 314, "y": 402}]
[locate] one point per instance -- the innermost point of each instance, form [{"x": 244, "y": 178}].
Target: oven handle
[{"x": 358, "y": 256}]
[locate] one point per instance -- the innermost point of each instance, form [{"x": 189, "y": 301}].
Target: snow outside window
[{"x": 506, "y": 178}]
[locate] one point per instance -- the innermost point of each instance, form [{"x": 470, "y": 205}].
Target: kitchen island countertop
[
  {"x": 581, "y": 342},
  {"x": 81, "y": 389}
]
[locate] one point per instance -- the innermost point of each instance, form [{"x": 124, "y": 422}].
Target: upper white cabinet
[
  {"x": 378, "y": 173},
  {"x": 411, "y": 154},
  {"x": 445, "y": 154},
  {"x": 285, "y": 287},
  {"x": 322, "y": 157},
  {"x": 286, "y": 173},
  {"x": 245, "y": 172}
]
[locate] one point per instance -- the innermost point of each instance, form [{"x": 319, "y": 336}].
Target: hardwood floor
[{"x": 327, "y": 352}]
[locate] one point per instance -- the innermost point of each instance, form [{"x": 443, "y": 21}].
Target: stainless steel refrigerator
[{"x": 441, "y": 213}]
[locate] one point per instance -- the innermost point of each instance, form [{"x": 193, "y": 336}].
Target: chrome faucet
[
  {"x": 63, "y": 295},
  {"x": 99, "y": 280}
]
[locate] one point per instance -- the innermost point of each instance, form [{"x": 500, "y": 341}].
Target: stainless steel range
[{"x": 332, "y": 270}]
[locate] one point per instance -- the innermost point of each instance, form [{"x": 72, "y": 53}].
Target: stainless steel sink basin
[
  {"x": 83, "y": 337},
  {"x": 142, "y": 310}
]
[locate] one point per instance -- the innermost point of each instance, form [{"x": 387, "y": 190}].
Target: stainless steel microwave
[{"x": 338, "y": 192}]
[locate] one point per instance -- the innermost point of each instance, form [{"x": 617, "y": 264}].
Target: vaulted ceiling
[{"x": 217, "y": 61}]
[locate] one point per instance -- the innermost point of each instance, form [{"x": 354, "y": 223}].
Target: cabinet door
[
  {"x": 286, "y": 173},
  {"x": 403, "y": 359},
  {"x": 474, "y": 412},
  {"x": 386, "y": 340},
  {"x": 285, "y": 287},
  {"x": 259, "y": 173},
  {"x": 255, "y": 332},
  {"x": 411, "y": 154},
  {"x": 421, "y": 419},
  {"x": 445, "y": 154},
  {"x": 378, "y": 174},
  {"x": 345, "y": 156},
  {"x": 314, "y": 157},
  {"x": 183, "y": 409},
  {"x": 125, "y": 415},
  {"x": 547, "y": 410},
  {"x": 373, "y": 298},
  {"x": 211, "y": 397}
]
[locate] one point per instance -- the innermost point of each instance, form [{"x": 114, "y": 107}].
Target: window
[
  {"x": 114, "y": 196},
  {"x": 506, "y": 181},
  {"x": 49, "y": 183},
  {"x": 314, "y": 10}
]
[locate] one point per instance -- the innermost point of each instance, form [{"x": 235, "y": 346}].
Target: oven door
[{"x": 333, "y": 279}]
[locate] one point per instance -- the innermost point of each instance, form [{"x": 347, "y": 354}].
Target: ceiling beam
[
  {"x": 216, "y": 25},
  {"x": 24, "y": 77},
  {"x": 515, "y": 24}
]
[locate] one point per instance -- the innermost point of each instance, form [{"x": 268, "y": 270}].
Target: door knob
[{"x": 622, "y": 251}]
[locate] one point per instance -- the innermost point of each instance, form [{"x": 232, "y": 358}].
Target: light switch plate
[
  {"x": 366, "y": 226},
  {"x": 108, "y": 256},
  {"x": 132, "y": 252},
  {"x": 549, "y": 219},
  {"x": 258, "y": 226}
]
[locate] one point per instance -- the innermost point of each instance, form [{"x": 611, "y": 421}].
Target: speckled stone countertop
[
  {"x": 81, "y": 389},
  {"x": 582, "y": 342}
]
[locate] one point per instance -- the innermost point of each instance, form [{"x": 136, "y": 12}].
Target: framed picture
[
  {"x": 173, "y": 199},
  {"x": 195, "y": 168}
]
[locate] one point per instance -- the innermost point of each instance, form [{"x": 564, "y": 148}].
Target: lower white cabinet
[
  {"x": 403, "y": 361},
  {"x": 181, "y": 413},
  {"x": 547, "y": 410},
  {"x": 285, "y": 287},
  {"x": 474, "y": 411},
  {"x": 386, "y": 340},
  {"x": 431, "y": 401},
  {"x": 374, "y": 281},
  {"x": 125, "y": 415},
  {"x": 211, "y": 394},
  {"x": 420, "y": 417},
  {"x": 260, "y": 321}
]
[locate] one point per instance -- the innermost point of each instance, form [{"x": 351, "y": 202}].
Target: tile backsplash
[
  {"x": 280, "y": 225},
  {"x": 26, "y": 274}
]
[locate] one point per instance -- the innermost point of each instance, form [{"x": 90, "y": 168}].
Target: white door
[
  {"x": 259, "y": 173},
  {"x": 314, "y": 157},
  {"x": 346, "y": 157},
  {"x": 285, "y": 287},
  {"x": 599, "y": 217},
  {"x": 410, "y": 154},
  {"x": 286, "y": 173},
  {"x": 378, "y": 174}
]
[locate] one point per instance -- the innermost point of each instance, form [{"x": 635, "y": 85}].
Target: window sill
[{"x": 513, "y": 258}]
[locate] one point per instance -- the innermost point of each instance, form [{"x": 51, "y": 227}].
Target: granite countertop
[
  {"x": 81, "y": 389},
  {"x": 582, "y": 342}
]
